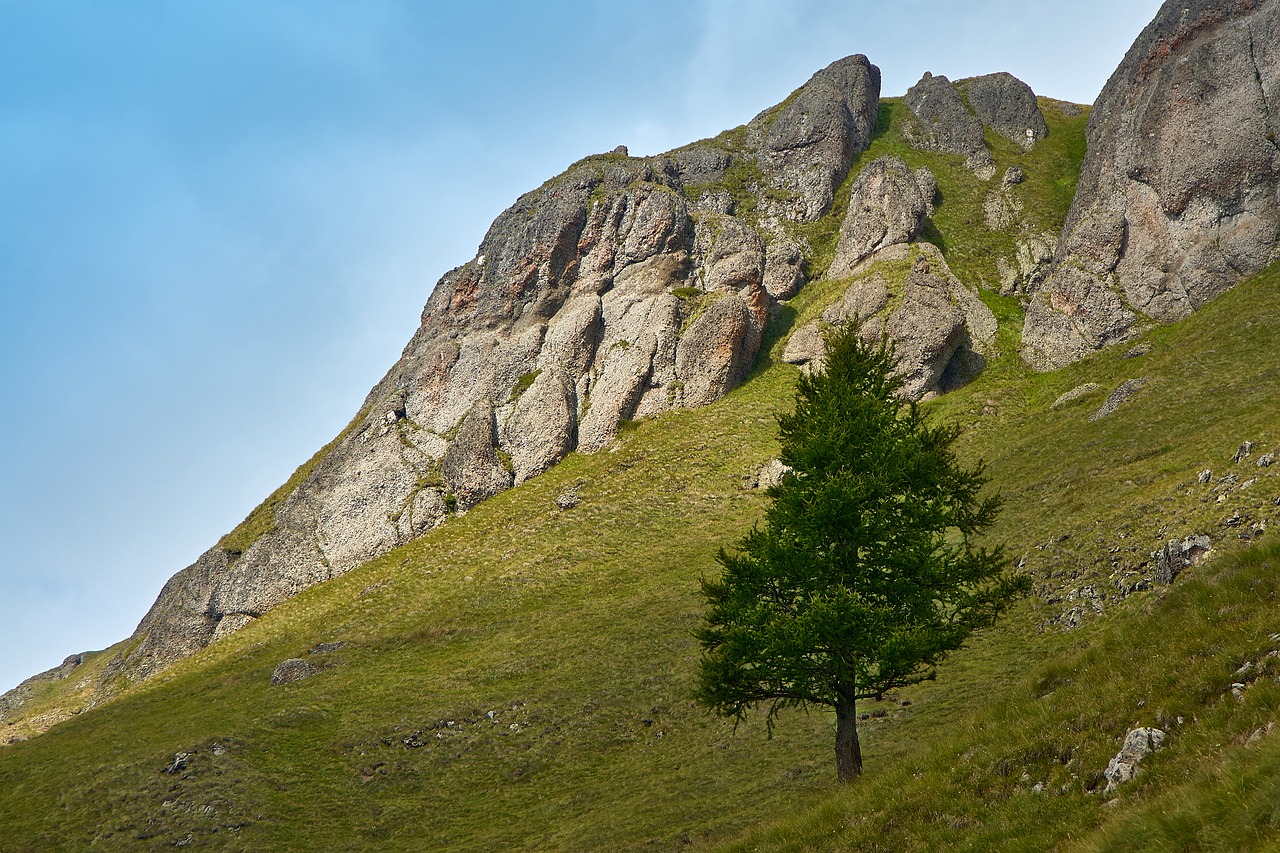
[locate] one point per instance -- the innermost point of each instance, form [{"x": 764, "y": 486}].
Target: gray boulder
[
  {"x": 942, "y": 122},
  {"x": 1138, "y": 744},
  {"x": 1177, "y": 554},
  {"x": 1005, "y": 104},
  {"x": 471, "y": 467},
  {"x": 928, "y": 331},
  {"x": 1178, "y": 194},
  {"x": 1124, "y": 392},
  {"x": 783, "y": 268},
  {"x": 293, "y": 669},
  {"x": 711, "y": 357},
  {"x": 805, "y": 346},
  {"x": 543, "y": 425},
  {"x": 1075, "y": 393}
]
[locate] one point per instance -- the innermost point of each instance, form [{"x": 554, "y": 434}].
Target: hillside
[
  {"x": 468, "y": 622},
  {"x": 521, "y": 676}
]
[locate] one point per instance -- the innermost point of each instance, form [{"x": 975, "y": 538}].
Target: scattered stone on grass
[
  {"x": 1138, "y": 744},
  {"x": 293, "y": 669}
]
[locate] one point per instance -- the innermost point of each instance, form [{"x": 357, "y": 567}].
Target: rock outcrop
[
  {"x": 806, "y": 150},
  {"x": 888, "y": 204},
  {"x": 951, "y": 117},
  {"x": 943, "y": 122},
  {"x": 1177, "y": 197},
  {"x": 621, "y": 289},
  {"x": 1005, "y": 104},
  {"x": 1138, "y": 744},
  {"x": 901, "y": 289}
]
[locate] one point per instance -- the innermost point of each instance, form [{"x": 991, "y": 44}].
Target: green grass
[
  {"x": 521, "y": 677},
  {"x": 575, "y": 627},
  {"x": 1168, "y": 662}
]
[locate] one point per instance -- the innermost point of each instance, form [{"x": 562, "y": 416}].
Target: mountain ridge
[{"x": 714, "y": 281}]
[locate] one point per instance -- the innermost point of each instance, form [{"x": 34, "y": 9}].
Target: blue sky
[{"x": 219, "y": 222}]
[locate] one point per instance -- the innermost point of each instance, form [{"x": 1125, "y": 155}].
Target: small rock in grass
[{"x": 293, "y": 669}]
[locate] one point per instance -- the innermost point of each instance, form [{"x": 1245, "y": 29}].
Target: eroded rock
[
  {"x": 942, "y": 122},
  {"x": 807, "y": 148},
  {"x": 1125, "y": 391},
  {"x": 939, "y": 328},
  {"x": 601, "y": 296},
  {"x": 1005, "y": 104},
  {"x": 887, "y": 206}
]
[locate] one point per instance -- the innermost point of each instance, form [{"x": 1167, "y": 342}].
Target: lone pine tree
[{"x": 865, "y": 573}]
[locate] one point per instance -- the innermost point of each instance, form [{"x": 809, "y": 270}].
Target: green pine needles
[{"x": 865, "y": 573}]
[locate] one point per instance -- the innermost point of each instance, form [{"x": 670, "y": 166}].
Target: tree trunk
[{"x": 848, "y": 752}]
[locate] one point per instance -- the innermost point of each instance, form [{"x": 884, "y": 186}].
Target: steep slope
[
  {"x": 572, "y": 626},
  {"x": 945, "y": 331},
  {"x": 520, "y": 674},
  {"x": 623, "y": 288},
  {"x": 1180, "y": 192}
]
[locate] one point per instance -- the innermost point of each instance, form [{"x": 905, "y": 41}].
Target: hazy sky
[{"x": 219, "y": 222}]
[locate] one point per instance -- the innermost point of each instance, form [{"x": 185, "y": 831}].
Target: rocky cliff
[
  {"x": 1177, "y": 198},
  {"x": 623, "y": 288}
]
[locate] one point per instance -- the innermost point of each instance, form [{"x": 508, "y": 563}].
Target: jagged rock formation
[
  {"x": 1177, "y": 198},
  {"x": 950, "y": 117},
  {"x": 621, "y": 289},
  {"x": 945, "y": 123},
  {"x": 888, "y": 204},
  {"x": 901, "y": 289}
]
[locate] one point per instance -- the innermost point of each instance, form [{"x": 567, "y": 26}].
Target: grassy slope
[{"x": 573, "y": 629}]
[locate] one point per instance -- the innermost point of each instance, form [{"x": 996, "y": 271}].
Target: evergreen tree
[{"x": 865, "y": 573}]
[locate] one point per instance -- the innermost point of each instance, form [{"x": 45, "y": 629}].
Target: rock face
[
  {"x": 1005, "y": 104},
  {"x": 1177, "y": 197},
  {"x": 623, "y": 288},
  {"x": 951, "y": 117},
  {"x": 944, "y": 123},
  {"x": 887, "y": 206},
  {"x": 13, "y": 700},
  {"x": 806, "y": 151}
]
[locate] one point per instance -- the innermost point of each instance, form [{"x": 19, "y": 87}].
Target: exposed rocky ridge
[
  {"x": 621, "y": 289},
  {"x": 13, "y": 700},
  {"x": 1177, "y": 199}
]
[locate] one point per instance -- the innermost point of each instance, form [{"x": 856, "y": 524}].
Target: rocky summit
[
  {"x": 631, "y": 286},
  {"x": 614, "y": 356}
]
